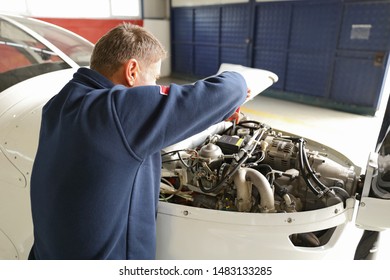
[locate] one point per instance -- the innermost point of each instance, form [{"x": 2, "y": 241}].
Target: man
[{"x": 96, "y": 175}]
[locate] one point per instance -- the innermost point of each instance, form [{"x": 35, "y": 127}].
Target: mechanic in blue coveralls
[{"x": 96, "y": 176}]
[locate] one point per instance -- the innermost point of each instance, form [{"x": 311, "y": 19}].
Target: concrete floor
[{"x": 353, "y": 135}]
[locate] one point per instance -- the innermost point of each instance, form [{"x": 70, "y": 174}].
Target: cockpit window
[
  {"x": 23, "y": 57},
  {"x": 77, "y": 48}
]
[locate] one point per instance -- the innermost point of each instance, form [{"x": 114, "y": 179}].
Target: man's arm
[{"x": 152, "y": 120}]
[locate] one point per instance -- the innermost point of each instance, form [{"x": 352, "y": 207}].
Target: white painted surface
[
  {"x": 161, "y": 29},
  {"x": 189, "y": 3}
]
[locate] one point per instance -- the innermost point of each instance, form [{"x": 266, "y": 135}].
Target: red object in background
[
  {"x": 90, "y": 29},
  {"x": 11, "y": 58}
]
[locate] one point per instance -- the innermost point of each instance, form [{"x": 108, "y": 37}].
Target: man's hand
[{"x": 235, "y": 117}]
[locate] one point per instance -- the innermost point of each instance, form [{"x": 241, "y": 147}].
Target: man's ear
[{"x": 131, "y": 72}]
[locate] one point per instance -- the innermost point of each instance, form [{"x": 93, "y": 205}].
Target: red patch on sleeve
[{"x": 164, "y": 90}]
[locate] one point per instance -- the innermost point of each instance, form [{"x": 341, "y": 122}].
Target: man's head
[{"x": 128, "y": 55}]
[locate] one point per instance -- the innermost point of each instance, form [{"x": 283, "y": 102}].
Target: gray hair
[{"x": 122, "y": 43}]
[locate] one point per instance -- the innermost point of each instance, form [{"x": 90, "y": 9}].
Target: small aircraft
[{"x": 235, "y": 191}]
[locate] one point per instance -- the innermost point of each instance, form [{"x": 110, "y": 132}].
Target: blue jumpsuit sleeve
[{"x": 151, "y": 120}]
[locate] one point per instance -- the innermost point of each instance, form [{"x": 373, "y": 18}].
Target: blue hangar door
[
  {"x": 329, "y": 53},
  {"x": 206, "y": 36}
]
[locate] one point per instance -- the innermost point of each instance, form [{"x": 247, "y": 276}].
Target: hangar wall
[{"x": 331, "y": 53}]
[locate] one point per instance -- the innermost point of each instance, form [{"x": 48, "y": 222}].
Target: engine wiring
[
  {"x": 244, "y": 154},
  {"x": 193, "y": 153},
  {"x": 211, "y": 174},
  {"x": 249, "y": 167},
  {"x": 304, "y": 164},
  {"x": 168, "y": 188}
]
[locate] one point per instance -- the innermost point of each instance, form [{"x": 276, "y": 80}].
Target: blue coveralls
[{"x": 96, "y": 176}]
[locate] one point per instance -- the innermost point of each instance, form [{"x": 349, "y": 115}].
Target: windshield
[
  {"x": 77, "y": 48},
  {"x": 23, "y": 57}
]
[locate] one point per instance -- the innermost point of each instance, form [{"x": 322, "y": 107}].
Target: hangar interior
[
  {"x": 327, "y": 53},
  {"x": 331, "y": 56}
]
